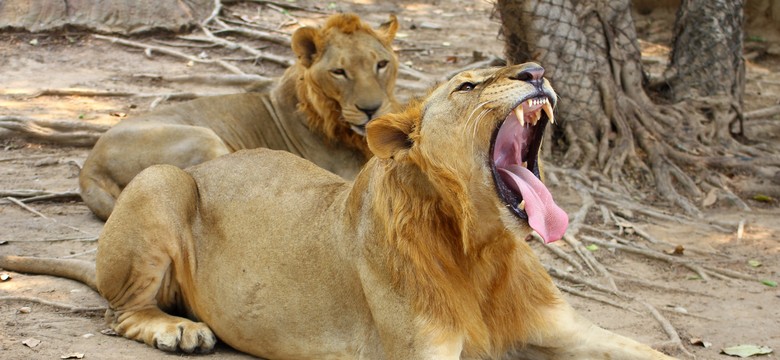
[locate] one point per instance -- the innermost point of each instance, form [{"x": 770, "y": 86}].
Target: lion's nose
[
  {"x": 369, "y": 111},
  {"x": 532, "y": 74}
]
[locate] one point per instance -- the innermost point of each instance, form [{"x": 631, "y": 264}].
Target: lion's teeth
[
  {"x": 548, "y": 109},
  {"x": 520, "y": 115},
  {"x": 521, "y": 206}
]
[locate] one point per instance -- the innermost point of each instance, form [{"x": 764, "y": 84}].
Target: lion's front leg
[
  {"x": 165, "y": 332},
  {"x": 570, "y": 336}
]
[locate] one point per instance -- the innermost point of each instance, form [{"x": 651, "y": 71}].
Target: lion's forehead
[
  {"x": 475, "y": 76},
  {"x": 356, "y": 47}
]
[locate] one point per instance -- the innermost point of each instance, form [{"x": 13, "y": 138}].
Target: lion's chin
[
  {"x": 515, "y": 167},
  {"x": 359, "y": 129}
]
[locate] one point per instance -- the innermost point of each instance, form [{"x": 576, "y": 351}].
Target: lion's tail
[{"x": 80, "y": 270}]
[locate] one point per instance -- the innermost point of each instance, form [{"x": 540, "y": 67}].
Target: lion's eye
[
  {"x": 466, "y": 86},
  {"x": 338, "y": 72},
  {"x": 381, "y": 65}
]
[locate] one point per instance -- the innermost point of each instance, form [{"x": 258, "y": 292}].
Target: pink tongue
[{"x": 544, "y": 216}]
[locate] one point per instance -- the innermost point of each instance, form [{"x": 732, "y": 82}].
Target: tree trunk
[
  {"x": 707, "y": 58},
  {"x": 590, "y": 52}
]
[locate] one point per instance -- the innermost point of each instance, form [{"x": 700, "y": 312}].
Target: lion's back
[{"x": 268, "y": 191}]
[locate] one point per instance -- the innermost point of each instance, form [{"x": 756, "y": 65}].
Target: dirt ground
[{"x": 435, "y": 37}]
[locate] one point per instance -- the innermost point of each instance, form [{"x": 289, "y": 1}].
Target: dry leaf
[
  {"x": 700, "y": 342},
  {"x": 430, "y": 26},
  {"x": 744, "y": 351},
  {"x": 5, "y": 277},
  {"x": 72, "y": 356},
  {"x": 31, "y": 342},
  {"x": 710, "y": 199},
  {"x": 25, "y": 310},
  {"x": 769, "y": 283},
  {"x": 118, "y": 114},
  {"x": 678, "y": 250},
  {"x": 763, "y": 198}
]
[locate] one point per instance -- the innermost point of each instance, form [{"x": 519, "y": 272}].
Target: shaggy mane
[{"x": 485, "y": 285}]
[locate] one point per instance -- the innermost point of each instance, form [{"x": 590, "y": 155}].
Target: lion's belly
[{"x": 272, "y": 277}]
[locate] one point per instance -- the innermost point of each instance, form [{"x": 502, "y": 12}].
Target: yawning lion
[
  {"x": 421, "y": 257},
  {"x": 344, "y": 77}
]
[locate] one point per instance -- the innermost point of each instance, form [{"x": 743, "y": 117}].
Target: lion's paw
[{"x": 188, "y": 337}]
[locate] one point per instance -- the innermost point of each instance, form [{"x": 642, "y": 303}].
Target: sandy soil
[{"x": 435, "y": 39}]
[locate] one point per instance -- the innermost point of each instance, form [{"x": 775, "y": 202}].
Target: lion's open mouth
[{"x": 515, "y": 166}]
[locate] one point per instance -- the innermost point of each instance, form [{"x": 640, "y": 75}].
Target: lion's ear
[
  {"x": 304, "y": 45},
  {"x": 389, "y": 28},
  {"x": 391, "y": 133}
]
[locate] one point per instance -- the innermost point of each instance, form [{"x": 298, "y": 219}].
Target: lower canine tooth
[{"x": 521, "y": 206}]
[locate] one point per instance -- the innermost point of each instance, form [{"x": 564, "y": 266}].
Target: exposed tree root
[
  {"x": 149, "y": 49},
  {"x": 59, "y": 305},
  {"x": 61, "y": 132},
  {"x": 763, "y": 113},
  {"x": 704, "y": 274},
  {"x": 69, "y": 238},
  {"x": 259, "y": 55},
  {"x": 588, "y": 296},
  {"x": 110, "y": 93},
  {"x": 39, "y": 214},
  {"x": 28, "y": 196},
  {"x": 283, "y": 5},
  {"x": 255, "y": 34},
  {"x": 674, "y": 337}
]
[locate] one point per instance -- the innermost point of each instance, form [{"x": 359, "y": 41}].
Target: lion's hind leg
[{"x": 144, "y": 266}]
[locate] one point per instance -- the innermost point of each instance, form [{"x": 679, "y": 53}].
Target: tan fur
[
  {"x": 418, "y": 258},
  {"x": 309, "y": 111}
]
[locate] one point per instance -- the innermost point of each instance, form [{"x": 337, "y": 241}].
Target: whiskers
[{"x": 475, "y": 124}]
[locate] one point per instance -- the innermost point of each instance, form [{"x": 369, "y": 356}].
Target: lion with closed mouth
[
  {"x": 344, "y": 77},
  {"x": 421, "y": 257}
]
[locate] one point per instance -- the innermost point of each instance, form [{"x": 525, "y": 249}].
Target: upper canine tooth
[
  {"x": 548, "y": 109},
  {"x": 520, "y": 115}
]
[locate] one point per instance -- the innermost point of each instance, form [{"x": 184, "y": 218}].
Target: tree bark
[
  {"x": 707, "y": 58},
  {"x": 590, "y": 51}
]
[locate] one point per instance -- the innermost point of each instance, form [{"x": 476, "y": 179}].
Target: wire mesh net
[{"x": 584, "y": 45}]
